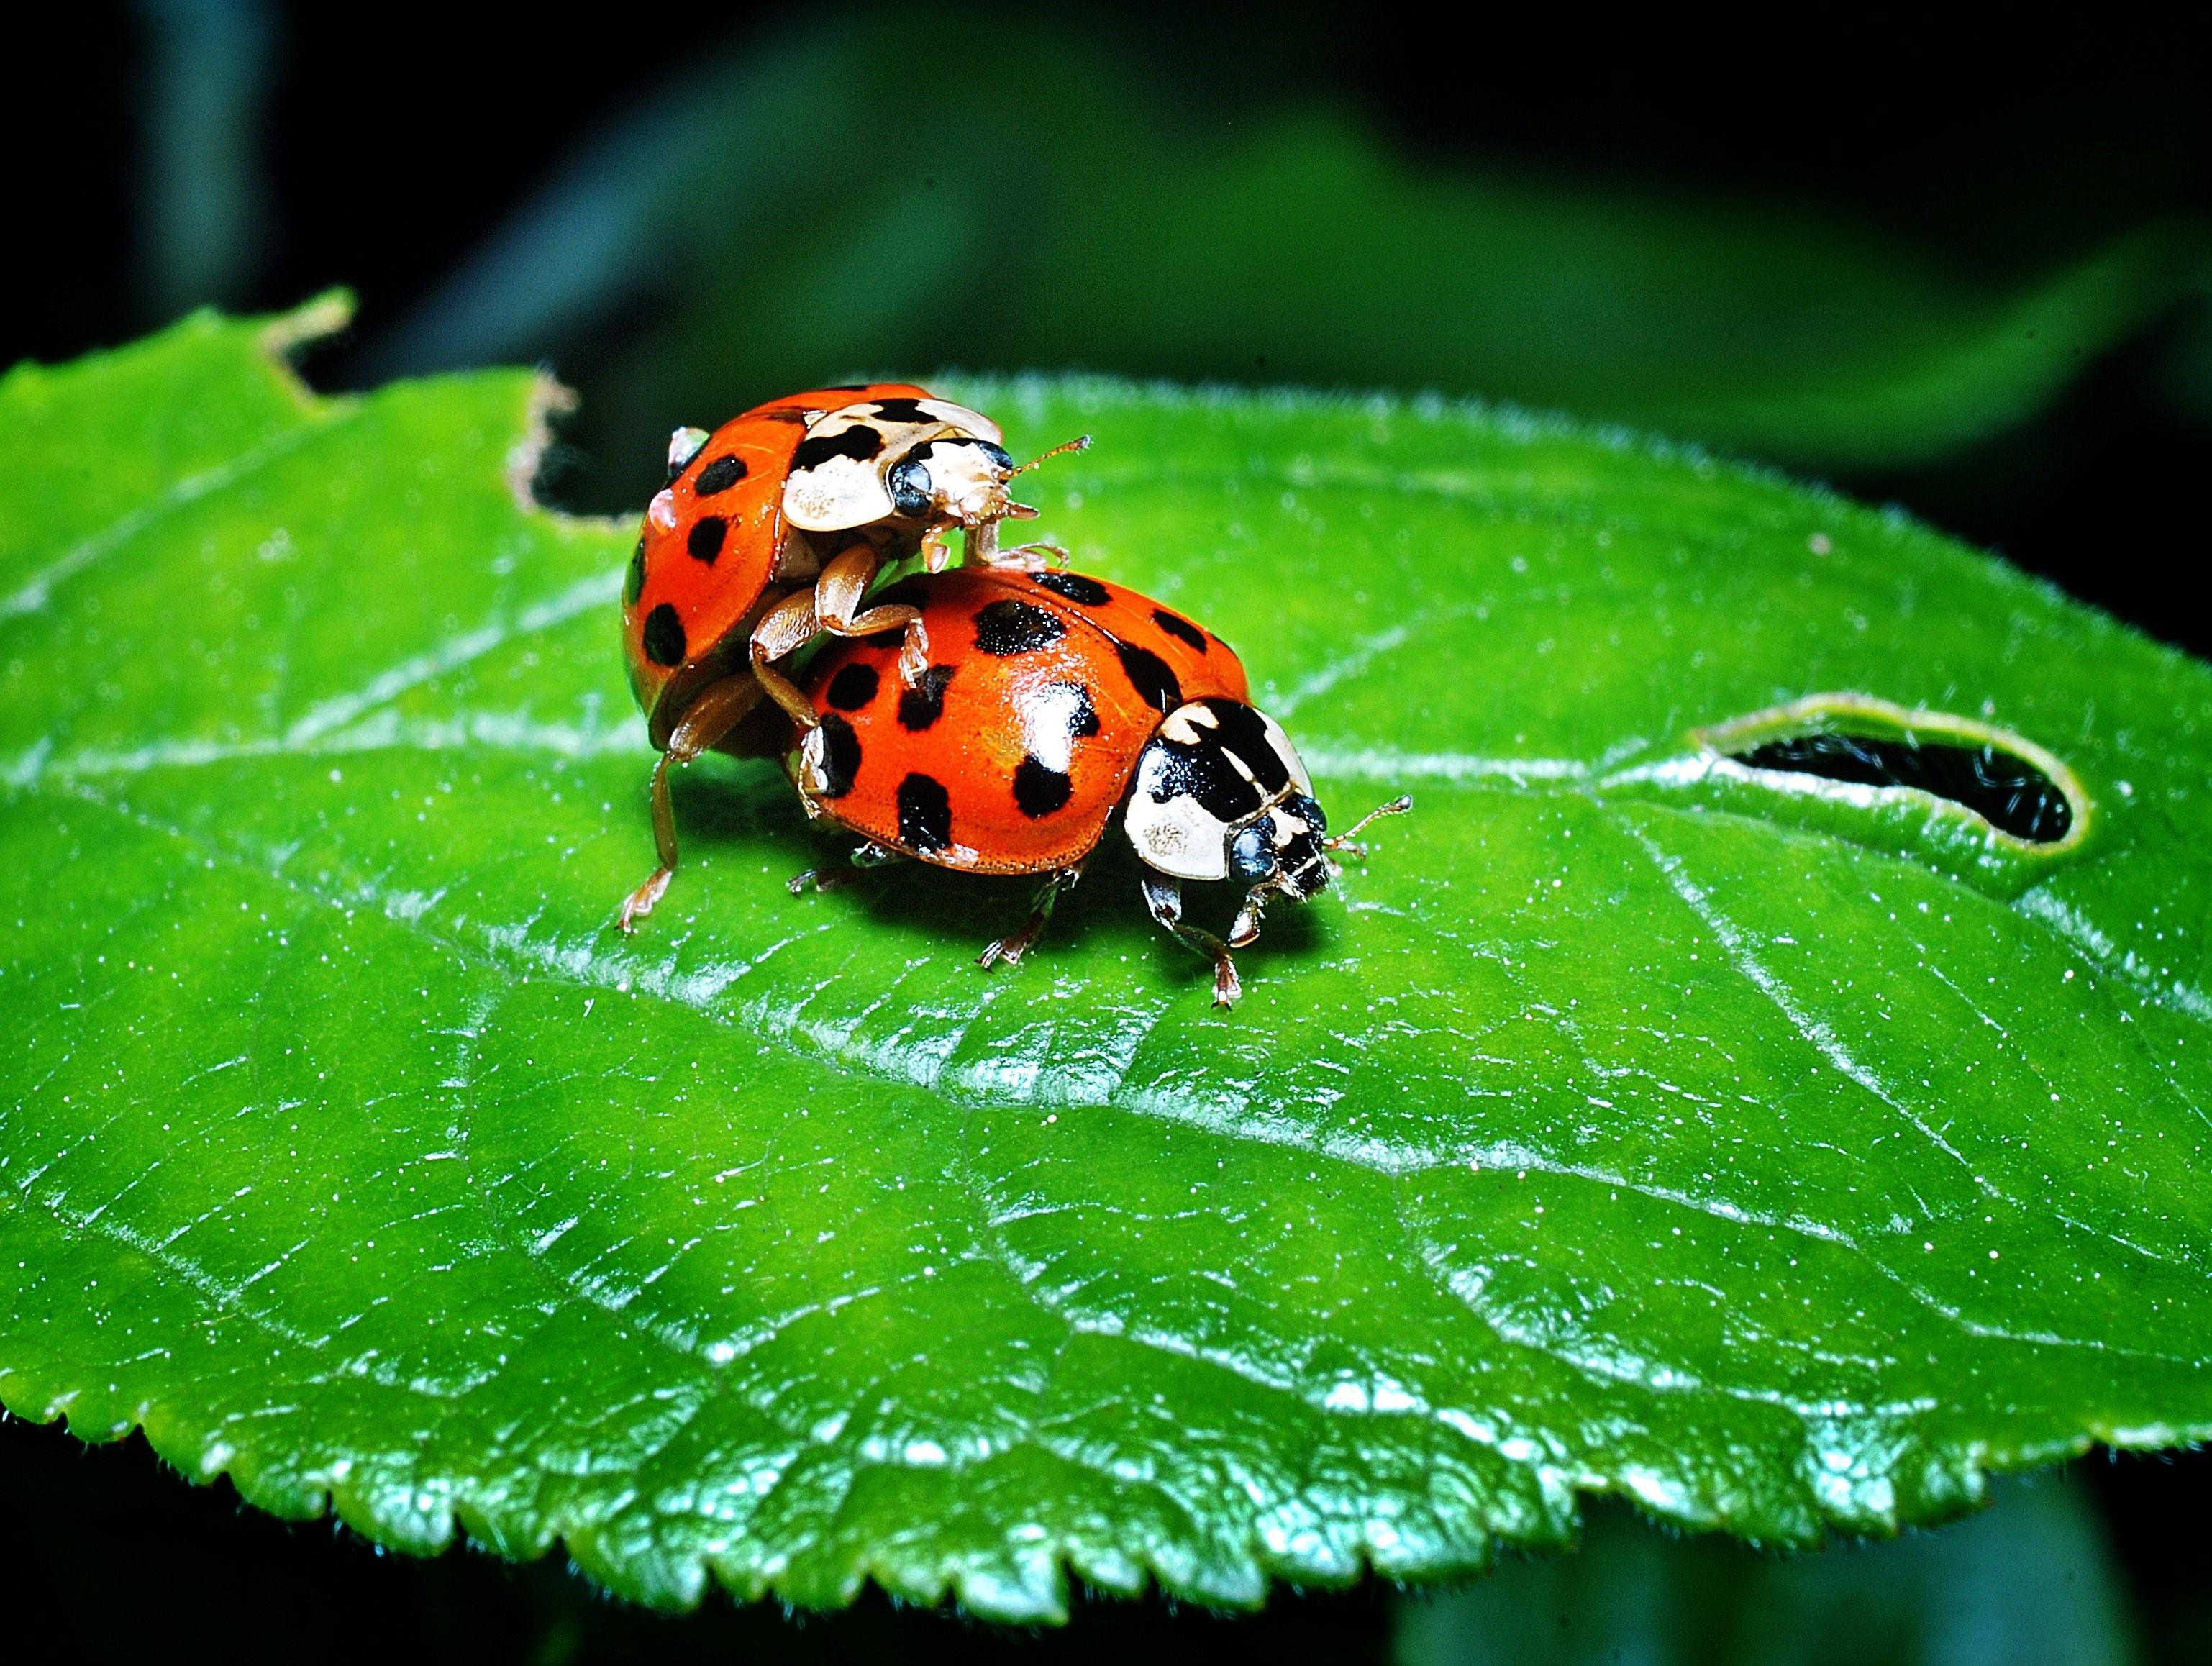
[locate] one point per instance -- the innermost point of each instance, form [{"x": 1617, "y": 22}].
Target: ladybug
[
  {"x": 1053, "y": 700},
  {"x": 772, "y": 529}
]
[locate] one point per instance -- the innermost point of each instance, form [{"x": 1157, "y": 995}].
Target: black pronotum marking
[
  {"x": 853, "y": 687},
  {"x": 923, "y": 705},
  {"x": 902, "y": 410},
  {"x": 840, "y": 756},
  {"x": 1039, "y": 789},
  {"x": 719, "y": 475},
  {"x": 704, "y": 540},
  {"x": 634, "y": 586},
  {"x": 1202, "y": 770},
  {"x": 1153, "y": 678},
  {"x": 663, "y": 636},
  {"x": 1075, "y": 587},
  {"x": 909, "y": 484},
  {"x": 925, "y": 814},
  {"x": 860, "y": 442},
  {"x": 1179, "y": 628},
  {"x": 1006, "y": 629},
  {"x": 2006, "y": 791},
  {"x": 1243, "y": 734}
]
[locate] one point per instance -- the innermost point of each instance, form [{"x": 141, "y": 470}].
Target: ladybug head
[
  {"x": 1281, "y": 849},
  {"x": 958, "y": 477},
  {"x": 1219, "y": 794}
]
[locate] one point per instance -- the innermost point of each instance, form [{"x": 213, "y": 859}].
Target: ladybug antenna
[
  {"x": 1081, "y": 442},
  {"x": 1397, "y": 806}
]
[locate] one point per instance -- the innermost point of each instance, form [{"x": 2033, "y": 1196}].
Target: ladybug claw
[
  {"x": 914, "y": 660},
  {"x": 1031, "y": 557},
  {"x": 639, "y": 902},
  {"x": 1226, "y": 987}
]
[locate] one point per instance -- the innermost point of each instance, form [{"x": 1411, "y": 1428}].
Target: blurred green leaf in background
[
  {"x": 797, "y": 208},
  {"x": 2029, "y": 1583}
]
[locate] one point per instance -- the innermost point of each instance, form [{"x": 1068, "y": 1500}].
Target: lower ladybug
[
  {"x": 1054, "y": 701},
  {"x": 770, "y": 530}
]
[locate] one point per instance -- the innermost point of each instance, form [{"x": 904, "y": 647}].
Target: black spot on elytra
[
  {"x": 925, "y": 814},
  {"x": 1006, "y": 629},
  {"x": 1075, "y": 587},
  {"x": 719, "y": 475},
  {"x": 902, "y": 410},
  {"x": 663, "y": 636},
  {"x": 853, "y": 687},
  {"x": 860, "y": 442},
  {"x": 1153, "y": 678},
  {"x": 840, "y": 756},
  {"x": 923, "y": 705},
  {"x": 634, "y": 586},
  {"x": 704, "y": 540},
  {"x": 1039, "y": 789},
  {"x": 1179, "y": 628}
]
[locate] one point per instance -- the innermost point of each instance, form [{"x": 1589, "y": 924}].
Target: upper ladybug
[
  {"x": 770, "y": 530},
  {"x": 1053, "y": 700}
]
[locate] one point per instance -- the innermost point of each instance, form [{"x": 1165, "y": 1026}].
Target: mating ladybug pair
[{"x": 990, "y": 719}]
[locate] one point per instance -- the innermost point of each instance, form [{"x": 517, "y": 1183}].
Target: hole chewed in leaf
[
  {"x": 1986, "y": 804},
  {"x": 2005, "y": 790}
]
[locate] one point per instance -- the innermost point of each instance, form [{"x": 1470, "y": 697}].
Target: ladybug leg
[
  {"x": 1012, "y": 948},
  {"x": 782, "y": 631},
  {"x": 717, "y": 709},
  {"x": 1246, "y": 929},
  {"x": 870, "y": 854},
  {"x": 1030, "y": 557},
  {"x": 983, "y": 550},
  {"x": 936, "y": 550},
  {"x": 1164, "y": 898},
  {"x": 837, "y": 595}
]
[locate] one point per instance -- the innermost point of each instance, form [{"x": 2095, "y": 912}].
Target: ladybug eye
[
  {"x": 910, "y": 486},
  {"x": 1252, "y": 854}
]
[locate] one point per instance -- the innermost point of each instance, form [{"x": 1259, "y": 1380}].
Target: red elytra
[
  {"x": 1043, "y": 688},
  {"x": 1052, "y": 700},
  {"x": 688, "y": 615},
  {"x": 772, "y": 530}
]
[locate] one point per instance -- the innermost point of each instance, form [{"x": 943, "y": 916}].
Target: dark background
[{"x": 377, "y": 148}]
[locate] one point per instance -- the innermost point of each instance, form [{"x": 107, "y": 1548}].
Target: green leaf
[
  {"x": 1086, "y": 211},
  {"x": 1782, "y": 1154}
]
